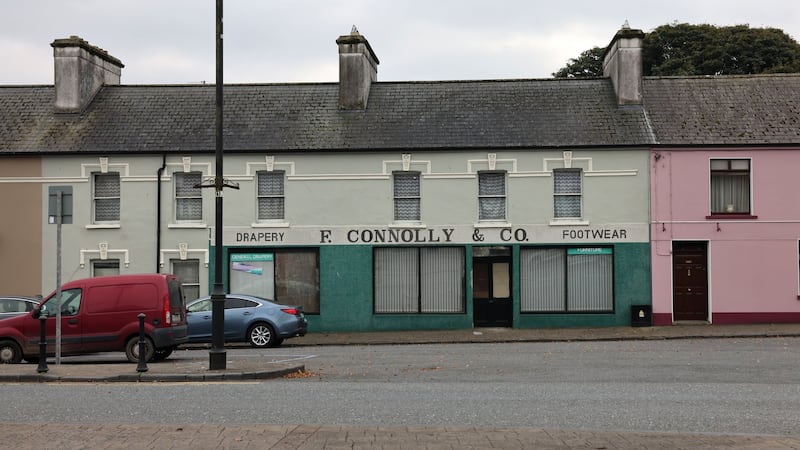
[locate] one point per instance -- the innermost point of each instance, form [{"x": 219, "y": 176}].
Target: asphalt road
[{"x": 733, "y": 386}]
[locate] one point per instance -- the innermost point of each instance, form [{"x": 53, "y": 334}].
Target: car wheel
[
  {"x": 10, "y": 353},
  {"x": 132, "y": 349},
  {"x": 162, "y": 353},
  {"x": 261, "y": 335}
]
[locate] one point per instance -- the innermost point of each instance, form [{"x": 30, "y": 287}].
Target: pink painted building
[{"x": 725, "y": 199}]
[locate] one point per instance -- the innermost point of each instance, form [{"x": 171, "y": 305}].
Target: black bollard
[
  {"x": 43, "y": 346},
  {"x": 142, "y": 367}
]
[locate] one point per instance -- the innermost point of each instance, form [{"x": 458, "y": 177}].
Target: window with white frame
[
  {"x": 566, "y": 280},
  {"x": 270, "y": 194},
  {"x": 419, "y": 280},
  {"x": 567, "y": 193},
  {"x": 188, "y": 198},
  {"x": 492, "y": 196},
  {"x": 188, "y": 272},
  {"x": 730, "y": 186},
  {"x": 406, "y": 196},
  {"x": 105, "y": 267},
  {"x": 106, "y": 197}
]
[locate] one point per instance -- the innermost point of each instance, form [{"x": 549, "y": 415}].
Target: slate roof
[
  {"x": 415, "y": 116},
  {"x": 724, "y": 110},
  {"x": 409, "y": 116}
]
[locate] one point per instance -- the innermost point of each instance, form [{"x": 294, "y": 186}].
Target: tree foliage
[{"x": 685, "y": 49}]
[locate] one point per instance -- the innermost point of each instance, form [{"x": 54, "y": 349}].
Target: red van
[{"x": 101, "y": 315}]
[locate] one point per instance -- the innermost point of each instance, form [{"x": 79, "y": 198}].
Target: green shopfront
[{"x": 351, "y": 279}]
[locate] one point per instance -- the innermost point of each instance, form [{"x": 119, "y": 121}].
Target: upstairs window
[
  {"x": 567, "y": 192},
  {"x": 270, "y": 194},
  {"x": 188, "y": 198},
  {"x": 730, "y": 186},
  {"x": 492, "y": 196},
  {"x": 106, "y": 197},
  {"x": 406, "y": 196}
]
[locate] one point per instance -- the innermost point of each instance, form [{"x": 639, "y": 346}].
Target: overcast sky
[{"x": 265, "y": 41}]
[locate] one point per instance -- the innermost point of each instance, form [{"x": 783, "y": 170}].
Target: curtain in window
[
  {"x": 188, "y": 198},
  {"x": 543, "y": 274},
  {"x": 590, "y": 286},
  {"x": 406, "y": 196},
  {"x": 396, "y": 280},
  {"x": 271, "y": 195},
  {"x": 106, "y": 197},
  {"x": 567, "y": 190},
  {"x": 442, "y": 279},
  {"x": 492, "y": 195},
  {"x": 730, "y": 193}
]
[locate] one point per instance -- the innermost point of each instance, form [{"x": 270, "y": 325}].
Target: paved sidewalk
[
  {"x": 193, "y": 366},
  {"x": 284, "y": 437}
]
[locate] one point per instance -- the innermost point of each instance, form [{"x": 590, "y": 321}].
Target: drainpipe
[{"x": 158, "y": 211}]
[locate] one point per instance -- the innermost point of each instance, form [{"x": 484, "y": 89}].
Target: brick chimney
[
  {"x": 623, "y": 64},
  {"x": 358, "y": 68},
  {"x": 81, "y": 70}
]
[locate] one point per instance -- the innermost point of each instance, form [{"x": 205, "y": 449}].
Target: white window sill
[
  {"x": 195, "y": 226},
  {"x": 569, "y": 222},
  {"x": 103, "y": 226},
  {"x": 492, "y": 225},
  {"x": 270, "y": 225}
]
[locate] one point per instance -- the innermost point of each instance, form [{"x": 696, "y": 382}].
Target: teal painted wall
[
  {"x": 631, "y": 287},
  {"x": 346, "y": 295}
]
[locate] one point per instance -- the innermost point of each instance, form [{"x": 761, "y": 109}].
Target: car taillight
[
  {"x": 292, "y": 311},
  {"x": 167, "y": 311}
]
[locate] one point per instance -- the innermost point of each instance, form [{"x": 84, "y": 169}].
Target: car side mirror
[{"x": 37, "y": 313}]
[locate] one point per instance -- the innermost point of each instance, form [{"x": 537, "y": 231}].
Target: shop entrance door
[
  {"x": 492, "y": 305},
  {"x": 690, "y": 280}
]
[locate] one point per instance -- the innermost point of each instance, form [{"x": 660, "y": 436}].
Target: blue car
[{"x": 259, "y": 321}]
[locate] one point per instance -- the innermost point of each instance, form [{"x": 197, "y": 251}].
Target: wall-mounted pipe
[{"x": 158, "y": 211}]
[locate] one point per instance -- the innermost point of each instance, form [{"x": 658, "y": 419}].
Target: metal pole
[
  {"x": 217, "y": 354},
  {"x": 59, "y": 199}
]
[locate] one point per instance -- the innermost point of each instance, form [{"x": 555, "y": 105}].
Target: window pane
[
  {"x": 730, "y": 193},
  {"x": 271, "y": 203},
  {"x": 501, "y": 284},
  {"x": 105, "y": 268},
  {"x": 740, "y": 164},
  {"x": 106, "y": 197},
  {"x": 297, "y": 279},
  {"x": 396, "y": 280},
  {"x": 406, "y": 209},
  {"x": 568, "y": 206},
  {"x": 492, "y": 208},
  {"x": 106, "y": 185},
  {"x": 185, "y": 184},
  {"x": 406, "y": 184},
  {"x": 719, "y": 164},
  {"x": 188, "y": 272},
  {"x": 270, "y": 208},
  {"x": 567, "y": 181},
  {"x": 490, "y": 183},
  {"x": 270, "y": 183},
  {"x": 542, "y": 282},
  {"x": 106, "y": 210},
  {"x": 189, "y": 209},
  {"x": 442, "y": 279},
  {"x": 590, "y": 286}
]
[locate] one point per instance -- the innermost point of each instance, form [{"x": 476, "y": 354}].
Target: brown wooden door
[{"x": 690, "y": 280}]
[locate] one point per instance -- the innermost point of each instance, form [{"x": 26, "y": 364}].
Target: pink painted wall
[{"x": 752, "y": 263}]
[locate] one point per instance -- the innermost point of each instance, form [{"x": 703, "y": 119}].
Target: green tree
[{"x": 684, "y": 49}]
